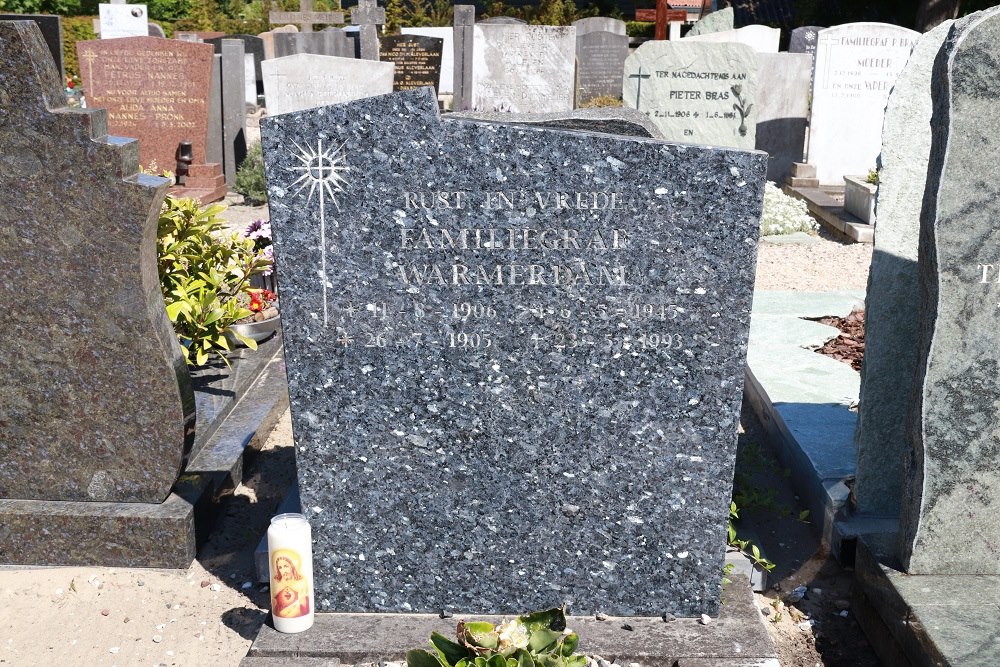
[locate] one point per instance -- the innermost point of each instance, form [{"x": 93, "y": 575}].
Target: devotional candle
[{"x": 289, "y": 554}]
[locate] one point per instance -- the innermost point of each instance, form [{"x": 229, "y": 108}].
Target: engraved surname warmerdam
[
  {"x": 516, "y": 239},
  {"x": 321, "y": 173}
]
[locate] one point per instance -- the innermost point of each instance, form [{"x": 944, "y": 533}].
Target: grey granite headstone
[
  {"x": 155, "y": 30},
  {"x": 783, "y": 81},
  {"x": 716, "y": 21},
  {"x": 324, "y": 43},
  {"x": 695, "y": 93},
  {"x": 94, "y": 389},
  {"x": 417, "y": 60},
  {"x": 251, "y": 44},
  {"x": 599, "y": 24},
  {"x": 51, "y": 28},
  {"x": 804, "y": 39},
  {"x": 893, "y": 298},
  {"x": 304, "y": 81},
  {"x": 609, "y": 120},
  {"x": 600, "y": 62},
  {"x": 515, "y": 357},
  {"x": 761, "y": 38},
  {"x": 367, "y": 15},
  {"x": 234, "y": 108},
  {"x": 465, "y": 20},
  {"x": 952, "y": 479},
  {"x": 855, "y": 68},
  {"x": 504, "y": 20},
  {"x": 523, "y": 68}
]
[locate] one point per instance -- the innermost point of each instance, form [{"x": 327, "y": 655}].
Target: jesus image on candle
[{"x": 289, "y": 588}]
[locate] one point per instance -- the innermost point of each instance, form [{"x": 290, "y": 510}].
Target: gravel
[{"x": 824, "y": 266}]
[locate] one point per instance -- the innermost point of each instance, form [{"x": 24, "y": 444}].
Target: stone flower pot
[
  {"x": 256, "y": 331},
  {"x": 859, "y": 198}
]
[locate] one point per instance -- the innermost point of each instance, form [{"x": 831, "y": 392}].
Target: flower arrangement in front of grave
[
  {"x": 784, "y": 214},
  {"x": 540, "y": 639},
  {"x": 262, "y": 304},
  {"x": 205, "y": 272}
]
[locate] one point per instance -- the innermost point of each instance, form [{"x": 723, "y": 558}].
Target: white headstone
[
  {"x": 123, "y": 21},
  {"x": 856, "y": 67},
  {"x": 523, "y": 68},
  {"x": 695, "y": 93},
  {"x": 249, "y": 79},
  {"x": 447, "y": 83},
  {"x": 758, "y": 37},
  {"x": 306, "y": 80}
]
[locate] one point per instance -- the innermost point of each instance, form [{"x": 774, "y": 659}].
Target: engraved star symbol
[
  {"x": 345, "y": 340},
  {"x": 350, "y": 309}
]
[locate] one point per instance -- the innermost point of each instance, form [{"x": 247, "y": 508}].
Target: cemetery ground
[{"x": 210, "y": 613}]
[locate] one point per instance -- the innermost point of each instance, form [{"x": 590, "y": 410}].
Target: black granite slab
[
  {"x": 94, "y": 389},
  {"x": 417, "y": 59},
  {"x": 521, "y": 418},
  {"x": 51, "y": 28},
  {"x": 736, "y": 637}
]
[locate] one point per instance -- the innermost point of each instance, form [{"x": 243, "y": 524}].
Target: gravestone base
[
  {"x": 204, "y": 182},
  {"x": 924, "y": 620},
  {"x": 736, "y": 638},
  {"x": 827, "y": 205},
  {"x": 246, "y": 404}
]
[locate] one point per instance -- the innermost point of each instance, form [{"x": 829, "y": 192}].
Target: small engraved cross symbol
[
  {"x": 638, "y": 85},
  {"x": 344, "y": 339}
]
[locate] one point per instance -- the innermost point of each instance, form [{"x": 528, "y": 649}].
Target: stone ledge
[
  {"x": 166, "y": 535},
  {"x": 803, "y": 400},
  {"x": 831, "y": 214},
  {"x": 737, "y": 637},
  {"x": 939, "y": 620}
]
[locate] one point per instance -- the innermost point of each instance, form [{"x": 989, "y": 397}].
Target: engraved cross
[{"x": 638, "y": 85}]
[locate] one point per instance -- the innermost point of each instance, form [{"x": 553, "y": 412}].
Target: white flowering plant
[{"x": 784, "y": 214}]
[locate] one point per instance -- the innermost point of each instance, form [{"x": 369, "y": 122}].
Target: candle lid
[{"x": 290, "y": 517}]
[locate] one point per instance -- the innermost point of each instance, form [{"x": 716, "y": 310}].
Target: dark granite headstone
[
  {"x": 94, "y": 389},
  {"x": 804, "y": 39},
  {"x": 949, "y": 519},
  {"x": 515, "y": 357},
  {"x": 333, "y": 42},
  {"x": 417, "y": 60},
  {"x": 251, "y": 44},
  {"x": 600, "y": 63},
  {"x": 51, "y": 28}
]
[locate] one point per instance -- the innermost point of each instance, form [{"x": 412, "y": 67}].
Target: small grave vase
[
  {"x": 256, "y": 331},
  {"x": 859, "y": 198}
]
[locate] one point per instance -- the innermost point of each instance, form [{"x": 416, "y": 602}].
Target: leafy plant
[
  {"x": 540, "y": 639},
  {"x": 602, "y": 101},
  {"x": 749, "y": 549},
  {"x": 872, "y": 178},
  {"x": 250, "y": 176},
  {"x": 204, "y": 268}
]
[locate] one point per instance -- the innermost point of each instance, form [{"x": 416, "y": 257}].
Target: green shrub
[
  {"x": 75, "y": 29},
  {"x": 783, "y": 214},
  {"x": 872, "y": 177},
  {"x": 204, "y": 270},
  {"x": 540, "y": 639},
  {"x": 250, "y": 177},
  {"x": 640, "y": 29}
]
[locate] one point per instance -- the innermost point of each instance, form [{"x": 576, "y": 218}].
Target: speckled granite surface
[
  {"x": 93, "y": 389},
  {"x": 952, "y": 480},
  {"x": 523, "y": 398},
  {"x": 609, "y": 120}
]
